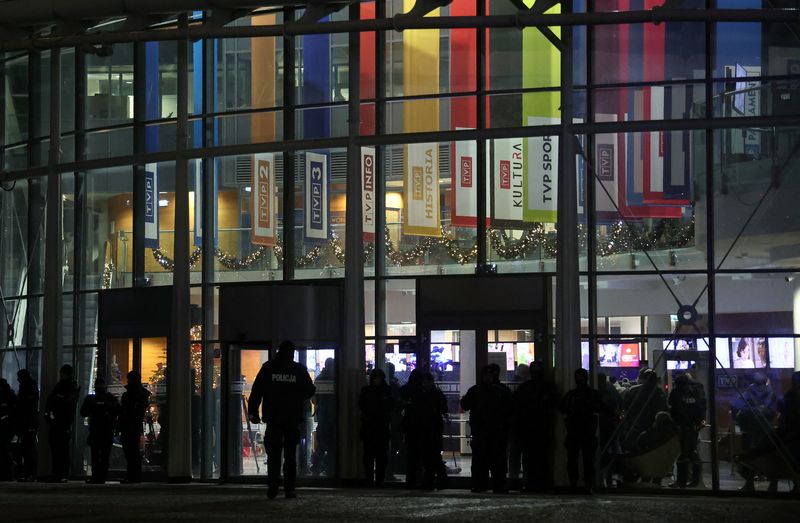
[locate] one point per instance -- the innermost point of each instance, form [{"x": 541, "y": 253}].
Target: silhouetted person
[
  {"x": 642, "y": 403},
  {"x": 609, "y": 423},
  {"x": 26, "y": 421},
  {"x": 60, "y": 415},
  {"x": 102, "y": 409},
  {"x": 325, "y": 414},
  {"x": 376, "y": 405},
  {"x": 396, "y": 449},
  {"x": 281, "y": 389},
  {"x": 687, "y": 403},
  {"x": 489, "y": 406},
  {"x": 755, "y": 413},
  {"x": 533, "y": 406},
  {"x": 8, "y": 404},
  {"x": 134, "y": 406},
  {"x": 581, "y": 406},
  {"x": 423, "y": 427}
]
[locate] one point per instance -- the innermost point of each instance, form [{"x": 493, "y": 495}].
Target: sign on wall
[
  {"x": 508, "y": 176},
  {"x": 151, "y": 205},
  {"x": 265, "y": 212},
  {"x": 421, "y": 189},
  {"x": 541, "y": 182},
  {"x": 317, "y": 212},
  {"x": 368, "y": 174}
]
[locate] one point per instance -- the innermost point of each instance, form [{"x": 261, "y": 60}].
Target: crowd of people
[
  {"x": 20, "y": 416},
  {"x": 511, "y": 437}
]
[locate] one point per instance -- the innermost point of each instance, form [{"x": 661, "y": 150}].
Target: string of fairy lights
[{"x": 616, "y": 238}]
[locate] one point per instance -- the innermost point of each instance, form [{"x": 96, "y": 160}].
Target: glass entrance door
[
  {"x": 148, "y": 356},
  {"x": 246, "y": 454}
]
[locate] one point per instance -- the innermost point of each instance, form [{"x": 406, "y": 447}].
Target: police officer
[
  {"x": 581, "y": 406},
  {"x": 489, "y": 406},
  {"x": 102, "y": 409},
  {"x": 283, "y": 386},
  {"x": 26, "y": 421},
  {"x": 60, "y": 415},
  {"x": 376, "y": 405},
  {"x": 8, "y": 402},
  {"x": 534, "y": 403},
  {"x": 134, "y": 405},
  {"x": 687, "y": 403},
  {"x": 642, "y": 403}
]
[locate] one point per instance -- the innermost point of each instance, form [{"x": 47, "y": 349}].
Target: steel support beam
[
  {"x": 179, "y": 385},
  {"x": 401, "y": 23},
  {"x": 350, "y": 362},
  {"x": 53, "y": 311}
]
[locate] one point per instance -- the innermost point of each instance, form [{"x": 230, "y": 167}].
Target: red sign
[
  {"x": 466, "y": 171},
  {"x": 505, "y": 174},
  {"x": 629, "y": 355}
]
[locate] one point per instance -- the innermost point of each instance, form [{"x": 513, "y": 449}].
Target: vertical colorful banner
[
  {"x": 421, "y": 213},
  {"x": 465, "y": 184},
  {"x": 368, "y": 175},
  {"x": 541, "y": 68},
  {"x": 508, "y": 175},
  {"x": 262, "y": 82},
  {"x": 316, "y": 87},
  {"x": 317, "y": 208},
  {"x": 151, "y": 205},
  {"x": 265, "y": 208},
  {"x": 421, "y": 169}
]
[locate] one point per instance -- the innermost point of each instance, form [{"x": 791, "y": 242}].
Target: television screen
[
  {"x": 585, "y": 355},
  {"x": 679, "y": 364},
  {"x": 781, "y": 353},
  {"x": 629, "y": 355},
  {"x": 686, "y": 344},
  {"x": 748, "y": 353},
  {"x": 608, "y": 354},
  {"x": 722, "y": 349}
]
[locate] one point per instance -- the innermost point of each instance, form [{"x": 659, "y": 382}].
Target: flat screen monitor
[
  {"x": 618, "y": 354},
  {"x": 722, "y": 348},
  {"x": 749, "y": 353},
  {"x": 585, "y": 355},
  {"x": 781, "y": 353},
  {"x": 680, "y": 364},
  {"x": 700, "y": 344}
]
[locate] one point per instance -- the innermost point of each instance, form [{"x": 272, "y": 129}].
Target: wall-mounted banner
[
  {"x": 541, "y": 183},
  {"x": 368, "y": 192},
  {"x": 265, "y": 209},
  {"x": 465, "y": 185},
  {"x": 508, "y": 180},
  {"x": 317, "y": 211},
  {"x": 421, "y": 189},
  {"x": 151, "y": 205}
]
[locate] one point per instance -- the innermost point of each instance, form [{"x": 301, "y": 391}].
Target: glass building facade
[{"x": 236, "y": 151}]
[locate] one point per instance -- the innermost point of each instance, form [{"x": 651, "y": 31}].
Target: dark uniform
[
  {"x": 489, "y": 406},
  {"x": 281, "y": 388},
  {"x": 755, "y": 413},
  {"x": 642, "y": 403},
  {"x": 8, "y": 403},
  {"x": 376, "y": 405},
  {"x": 425, "y": 405},
  {"x": 534, "y": 402},
  {"x": 26, "y": 421},
  {"x": 687, "y": 403},
  {"x": 102, "y": 409},
  {"x": 60, "y": 414},
  {"x": 581, "y": 406},
  {"x": 134, "y": 406}
]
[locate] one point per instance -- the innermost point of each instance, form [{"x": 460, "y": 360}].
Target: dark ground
[{"x": 153, "y": 502}]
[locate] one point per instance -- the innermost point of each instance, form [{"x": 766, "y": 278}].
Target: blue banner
[{"x": 316, "y": 85}]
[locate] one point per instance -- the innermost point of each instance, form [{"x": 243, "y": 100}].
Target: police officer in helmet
[
  {"x": 281, "y": 388},
  {"x": 687, "y": 402}
]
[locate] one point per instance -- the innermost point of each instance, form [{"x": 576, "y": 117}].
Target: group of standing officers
[{"x": 20, "y": 417}]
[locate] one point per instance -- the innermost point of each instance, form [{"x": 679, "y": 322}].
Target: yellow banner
[{"x": 541, "y": 68}]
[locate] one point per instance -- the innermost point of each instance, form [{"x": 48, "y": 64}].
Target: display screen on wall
[
  {"x": 781, "y": 353},
  {"x": 618, "y": 354},
  {"x": 749, "y": 353},
  {"x": 722, "y": 349},
  {"x": 686, "y": 344},
  {"x": 585, "y": 355}
]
